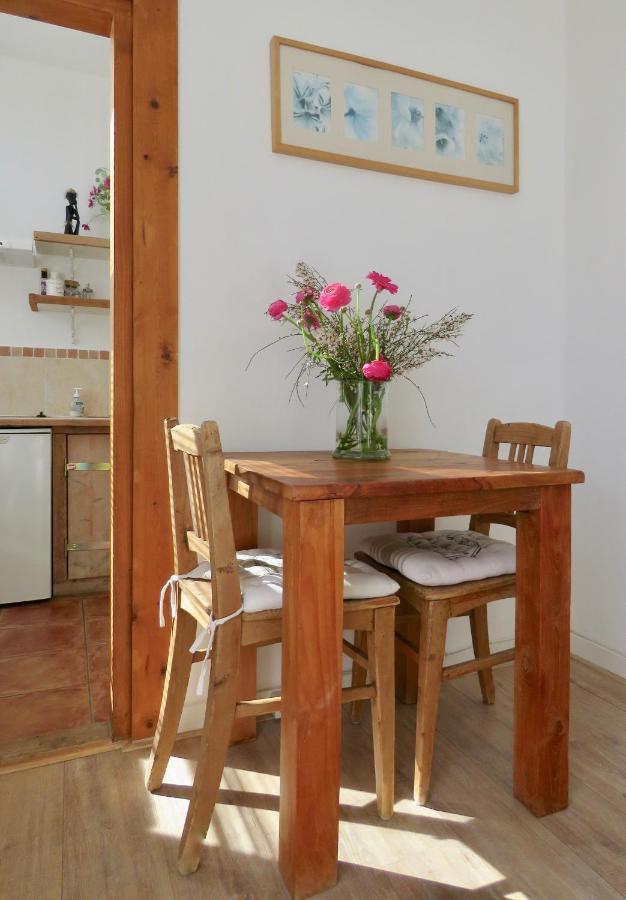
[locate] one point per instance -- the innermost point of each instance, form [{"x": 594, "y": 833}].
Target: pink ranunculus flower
[
  {"x": 392, "y": 311},
  {"x": 310, "y": 319},
  {"x": 277, "y": 309},
  {"x": 304, "y": 295},
  {"x": 335, "y": 296},
  {"x": 377, "y": 370},
  {"x": 382, "y": 283}
]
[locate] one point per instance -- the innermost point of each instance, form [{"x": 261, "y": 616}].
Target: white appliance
[{"x": 25, "y": 514}]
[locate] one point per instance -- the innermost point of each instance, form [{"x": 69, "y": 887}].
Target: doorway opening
[{"x": 143, "y": 349}]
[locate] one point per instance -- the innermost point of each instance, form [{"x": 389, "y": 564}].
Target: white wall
[
  {"x": 55, "y": 133},
  {"x": 596, "y": 322},
  {"x": 248, "y": 215}
]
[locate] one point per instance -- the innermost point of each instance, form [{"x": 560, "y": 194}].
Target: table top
[{"x": 315, "y": 475}]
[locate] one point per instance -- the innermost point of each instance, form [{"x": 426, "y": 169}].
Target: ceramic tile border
[{"x": 54, "y": 353}]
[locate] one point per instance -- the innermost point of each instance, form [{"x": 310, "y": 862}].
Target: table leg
[
  {"x": 311, "y": 694},
  {"x": 542, "y": 639},
  {"x": 245, "y": 530},
  {"x": 406, "y": 669}
]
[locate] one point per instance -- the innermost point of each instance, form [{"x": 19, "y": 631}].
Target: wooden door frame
[{"x": 144, "y": 326}]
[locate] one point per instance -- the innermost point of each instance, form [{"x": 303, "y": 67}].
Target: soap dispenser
[{"x": 77, "y": 406}]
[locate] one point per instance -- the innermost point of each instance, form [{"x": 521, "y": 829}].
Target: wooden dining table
[{"x": 317, "y": 496}]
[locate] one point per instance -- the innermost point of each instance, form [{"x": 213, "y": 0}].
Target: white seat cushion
[
  {"x": 261, "y": 579},
  {"x": 436, "y": 558}
]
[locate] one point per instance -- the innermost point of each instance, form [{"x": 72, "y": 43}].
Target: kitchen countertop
[{"x": 53, "y": 422}]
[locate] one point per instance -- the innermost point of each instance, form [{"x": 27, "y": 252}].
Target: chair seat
[
  {"x": 261, "y": 579},
  {"x": 442, "y": 558}
]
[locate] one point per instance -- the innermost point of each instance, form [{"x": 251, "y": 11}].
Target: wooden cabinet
[{"x": 81, "y": 507}]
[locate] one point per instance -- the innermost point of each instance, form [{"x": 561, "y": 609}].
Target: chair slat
[
  {"x": 523, "y": 433},
  {"x": 196, "y": 464},
  {"x": 191, "y": 491}
]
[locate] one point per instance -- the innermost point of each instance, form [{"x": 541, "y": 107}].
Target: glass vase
[{"x": 362, "y": 421}]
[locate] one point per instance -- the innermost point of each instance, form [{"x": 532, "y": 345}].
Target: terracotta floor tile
[
  {"x": 96, "y": 606},
  {"x": 42, "y": 671},
  {"x": 16, "y": 641},
  {"x": 100, "y": 699},
  {"x": 98, "y": 630},
  {"x": 63, "y": 611},
  {"x": 30, "y": 715},
  {"x": 98, "y": 659}
]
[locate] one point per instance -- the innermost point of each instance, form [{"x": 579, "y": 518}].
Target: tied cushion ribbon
[
  {"x": 171, "y": 584},
  {"x": 209, "y": 632}
]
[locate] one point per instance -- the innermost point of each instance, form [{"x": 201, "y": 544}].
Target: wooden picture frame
[{"x": 353, "y": 111}]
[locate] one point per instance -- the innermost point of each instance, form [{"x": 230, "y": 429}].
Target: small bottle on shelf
[{"x": 77, "y": 406}]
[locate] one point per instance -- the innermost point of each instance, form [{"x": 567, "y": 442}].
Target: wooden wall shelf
[
  {"x": 36, "y": 301},
  {"x": 52, "y": 244}
]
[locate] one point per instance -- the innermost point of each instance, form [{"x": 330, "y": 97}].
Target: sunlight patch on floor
[
  {"x": 250, "y": 828},
  {"x": 424, "y": 856}
]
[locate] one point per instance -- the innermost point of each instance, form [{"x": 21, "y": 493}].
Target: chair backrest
[
  {"x": 200, "y": 511},
  {"x": 522, "y": 438}
]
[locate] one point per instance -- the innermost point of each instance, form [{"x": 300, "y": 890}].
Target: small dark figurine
[{"x": 71, "y": 213}]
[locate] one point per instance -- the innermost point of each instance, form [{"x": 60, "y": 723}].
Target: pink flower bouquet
[{"x": 362, "y": 347}]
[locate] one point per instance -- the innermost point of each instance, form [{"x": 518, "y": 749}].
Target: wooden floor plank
[
  {"x": 597, "y": 681},
  {"x": 106, "y": 837},
  {"x": 31, "y": 827},
  {"x": 593, "y": 824},
  {"x": 110, "y": 847}
]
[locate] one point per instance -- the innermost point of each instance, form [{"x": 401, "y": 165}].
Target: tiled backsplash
[
  {"x": 54, "y": 353},
  {"x": 34, "y": 379}
]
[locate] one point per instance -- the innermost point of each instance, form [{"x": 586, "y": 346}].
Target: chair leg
[
  {"x": 380, "y": 644},
  {"x": 433, "y": 626},
  {"x": 359, "y": 675},
  {"x": 480, "y": 640},
  {"x": 174, "y": 691},
  {"x": 216, "y": 734}
]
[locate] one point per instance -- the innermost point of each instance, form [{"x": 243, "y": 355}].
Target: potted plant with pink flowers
[
  {"x": 362, "y": 346},
  {"x": 99, "y": 196}
]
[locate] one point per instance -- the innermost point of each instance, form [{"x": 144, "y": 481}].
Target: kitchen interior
[{"x": 54, "y": 388}]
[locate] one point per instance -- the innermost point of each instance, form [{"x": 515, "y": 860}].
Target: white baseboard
[{"x": 598, "y": 654}]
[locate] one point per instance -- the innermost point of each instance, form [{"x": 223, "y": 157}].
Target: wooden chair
[
  {"x": 424, "y": 611},
  {"x": 202, "y": 525}
]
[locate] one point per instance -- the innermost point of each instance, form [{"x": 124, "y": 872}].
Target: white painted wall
[
  {"x": 596, "y": 321},
  {"x": 248, "y": 215},
  {"x": 55, "y": 133}
]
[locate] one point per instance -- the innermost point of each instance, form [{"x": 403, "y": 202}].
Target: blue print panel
[
  {"x": 360, "y": 114},
  {"x": 407, "y": 122},
  {"x": 490, "y": 141},
  {"x": 311, "y": 101},
  {"x": 449, "y": 131}
]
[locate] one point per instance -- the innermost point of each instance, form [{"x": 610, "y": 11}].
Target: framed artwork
[{"x": 353, "y": 111}]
